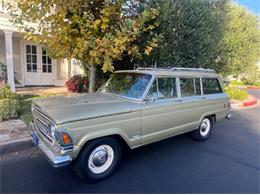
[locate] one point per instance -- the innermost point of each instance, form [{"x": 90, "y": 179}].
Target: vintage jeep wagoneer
[{"x": 133, "y": 108}]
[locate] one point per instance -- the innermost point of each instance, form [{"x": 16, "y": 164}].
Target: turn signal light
[{"x": 66, "y": 140}]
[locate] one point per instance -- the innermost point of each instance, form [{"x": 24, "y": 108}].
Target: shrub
[
  {"x": 9, "y": 108},
  {"x": 78, "y": 83},
  {"x": 5, "y": 92},
  {"x": 9, "y": 104},
  {"x": 239, "y": 83},
  {"x": 236, "y": 93}
]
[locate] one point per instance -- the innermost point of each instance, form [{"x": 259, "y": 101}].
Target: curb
[
  {"x": 15, "y": 146},
  {"x": 252, "y": 101},
  {"x": 253, "y": 87}
]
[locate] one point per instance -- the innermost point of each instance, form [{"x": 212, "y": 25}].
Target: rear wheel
[
  {"x": 204, "y": 130},
  {"x": 98, "y": 159}
]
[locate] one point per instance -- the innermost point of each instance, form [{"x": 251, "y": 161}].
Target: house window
[
  {"x": 31, "y": 58},
  {"x": 46, "y": 62}
]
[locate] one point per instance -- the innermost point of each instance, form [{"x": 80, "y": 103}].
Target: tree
[
  {"x": 96, "y": 32},
  {"x": 192, "y": 33},
  {"x": 241, "y": 41}
]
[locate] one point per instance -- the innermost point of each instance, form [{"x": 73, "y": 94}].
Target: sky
[{"x": 252, "y": 5}]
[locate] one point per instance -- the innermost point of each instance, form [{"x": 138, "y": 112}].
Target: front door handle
[
  {"x": 203, "y": 98},
  {"x": 178, "y": 100}
]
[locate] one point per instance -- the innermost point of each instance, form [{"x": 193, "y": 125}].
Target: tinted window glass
[
  {"x": 211, "y": 86},
  {"x": 166, "y": 89},
  {"x": 152, "y": 94},
  {"x": 130, "y": 85},
  {"x": 197, "y": 86},
  {"x": 190, "y": 86}
]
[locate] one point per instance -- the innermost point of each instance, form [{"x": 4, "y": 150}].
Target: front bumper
[{"x": 55, "y": 160}]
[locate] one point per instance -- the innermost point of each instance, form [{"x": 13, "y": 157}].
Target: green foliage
[
  {"x": 94, "y": 32},
  {"x": 191, "y": 31},
  {"x": 9, "y": 108},
  {"x": 5, "y": 92},
  {"x": 241, "y": 41},
  {"x": 9, "y": 104},
  {"x": 25, "y": 108},
  {"x": 3, "y": 73},
  {"x": 236, "y": 93},
  {"x": 251, "y": 76},
  {"x": 237, "y": 83}
]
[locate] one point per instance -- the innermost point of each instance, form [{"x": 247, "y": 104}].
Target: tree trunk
[{"x": 92, "y": 78}]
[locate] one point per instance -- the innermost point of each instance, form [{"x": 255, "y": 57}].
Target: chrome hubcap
[
  {"x": 100, "y": 159},
  {"x": 205, "y": 127}
]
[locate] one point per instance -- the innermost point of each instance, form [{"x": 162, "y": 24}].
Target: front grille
[{"x": 42, "y": 122}]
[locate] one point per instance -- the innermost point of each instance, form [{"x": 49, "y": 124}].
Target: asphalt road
[
  {"x": 255, "y": 93},
  {"x": 229, "y": 162}
]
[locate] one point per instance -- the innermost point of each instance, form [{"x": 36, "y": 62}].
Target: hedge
[{"x": 9, "y": 108}]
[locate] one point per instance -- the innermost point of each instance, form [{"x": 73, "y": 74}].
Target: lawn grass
[{"x": 25, "y": 110}]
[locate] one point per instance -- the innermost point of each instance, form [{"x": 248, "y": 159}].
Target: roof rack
[
  {"x": 149, "y": 68},
  {"x": 178, "y": 69},
  {"x": 193, "y": 69}
]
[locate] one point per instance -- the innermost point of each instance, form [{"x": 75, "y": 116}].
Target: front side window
[
  {"x": 166, "y": 88},
  {"x": 130, "y": 85},
  {"x": 190, "y": 87},
  {"x": 211, "y": 86}
]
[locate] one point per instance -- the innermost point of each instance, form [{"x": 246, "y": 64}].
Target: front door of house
[{"x": 39, "y": 67}]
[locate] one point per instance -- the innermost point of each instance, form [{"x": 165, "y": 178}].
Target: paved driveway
[{"x": 229, "y": 162}]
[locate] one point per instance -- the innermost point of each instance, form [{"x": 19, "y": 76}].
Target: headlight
[{"x": 51, "y": 129}]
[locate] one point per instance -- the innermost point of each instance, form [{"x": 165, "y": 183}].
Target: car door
[
  {"x": 159, "y": 116},
  {"x": 192, "y": 103}
]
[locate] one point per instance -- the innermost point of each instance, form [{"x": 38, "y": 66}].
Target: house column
[{"x": 9, "y": 59}]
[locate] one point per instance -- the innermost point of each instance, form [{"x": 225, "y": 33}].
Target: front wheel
[
  {"x": 204, "y": 130},
  {"x": 98, "y": 159}
]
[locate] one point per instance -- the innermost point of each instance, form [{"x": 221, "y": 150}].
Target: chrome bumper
[
  {"x": 229, "y": 116},
  {"x": 55, "y": 160}
]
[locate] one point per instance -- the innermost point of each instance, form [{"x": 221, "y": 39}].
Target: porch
[
  {"x": 29, "y": 63},
  {"x": 43, "y": 91}
]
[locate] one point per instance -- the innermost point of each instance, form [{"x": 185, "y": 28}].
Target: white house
[{"x": 29, "y": 61}]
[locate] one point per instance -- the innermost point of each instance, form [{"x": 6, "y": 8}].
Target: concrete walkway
[
  {"x": 13, "y": 131},
  {"x": 43, "y": 91}
]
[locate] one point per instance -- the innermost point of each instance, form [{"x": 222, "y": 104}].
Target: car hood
[{"x": 64, "y": 109}]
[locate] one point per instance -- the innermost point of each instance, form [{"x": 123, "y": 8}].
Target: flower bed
[{"x": 78, "y": 83}]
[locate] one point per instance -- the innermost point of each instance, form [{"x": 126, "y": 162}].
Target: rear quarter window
[{"x": 211, "y": 86}]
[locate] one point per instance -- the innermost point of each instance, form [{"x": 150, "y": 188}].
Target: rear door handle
[
  {"x": 203, "y": 98},
  {"x": 178, "y": 100}
]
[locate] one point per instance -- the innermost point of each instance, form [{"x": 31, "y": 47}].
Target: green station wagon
[{"x": 134, "y": 108}]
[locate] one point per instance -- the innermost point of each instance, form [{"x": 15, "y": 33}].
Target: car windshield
[{"x": 130, "y": 85}]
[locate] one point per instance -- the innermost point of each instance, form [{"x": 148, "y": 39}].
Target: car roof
[{"x": 175, "y": 71}]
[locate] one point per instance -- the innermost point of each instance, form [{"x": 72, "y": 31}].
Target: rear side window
[
  {"x": 190, "y": 86},
  {"x": 211, "y": 86}
]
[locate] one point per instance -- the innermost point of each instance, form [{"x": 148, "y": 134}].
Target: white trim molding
[{"x": 9, "y": 58}]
